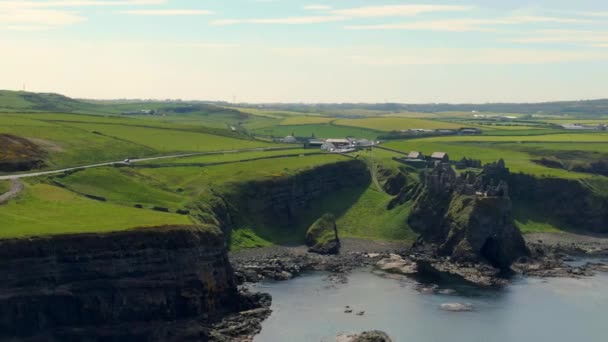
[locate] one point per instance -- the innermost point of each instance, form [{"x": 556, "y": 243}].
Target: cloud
[
  {"x": 317, "y": 7},
  {"x": 285, "y": 21},
  {"x": 167, "y": 12},
  {"x": 40, "y": 19},
  {"x": 76, "y": 3},
  {"x": 399, "y": 10},
  {"x": 48, "y": 15},
  {"x": 465, "y": 25},
  {"x": 475, "y": 57},
  {"x": 450, "y": 25},
  {"x": 586, "y": 37}
]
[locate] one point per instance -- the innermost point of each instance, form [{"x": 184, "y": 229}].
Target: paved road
[{"x": 43, "y": 173}]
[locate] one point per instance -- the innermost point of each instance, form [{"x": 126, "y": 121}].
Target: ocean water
[{"x": 311, "y": 308}]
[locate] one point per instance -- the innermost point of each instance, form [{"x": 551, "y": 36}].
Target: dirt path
[{"x": 16, "y": 188}]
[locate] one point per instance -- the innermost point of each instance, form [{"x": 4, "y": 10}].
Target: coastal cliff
[
  {"x": 286, "y": 203},
  {"x": 468, "y": 216},
  {"x": 153, "y": 284}
]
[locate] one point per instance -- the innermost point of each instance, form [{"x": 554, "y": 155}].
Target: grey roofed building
[
  {"x": 415, "y": 155},
  {"x": 338, "y": 141},
  {"x": 290, "y": 139},
  {"x": 440, "y": 156},
  {"x": 364, "y": 143},
  {"x": 327, "y": 146}
]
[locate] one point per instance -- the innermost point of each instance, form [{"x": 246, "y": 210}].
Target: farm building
[
  {"x": 415, "y": 155},
  {"x": 364, "y": 143},
  {"x": 440, "y": 156},
  {"x": 315, "y": 143},
  {"x": 339, "y": 142},
  {"x": 290, "y": 139},
  {"x": 327, "y": 146}
]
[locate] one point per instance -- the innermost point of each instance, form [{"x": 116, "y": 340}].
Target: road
[{"x": 132, "y": 161}]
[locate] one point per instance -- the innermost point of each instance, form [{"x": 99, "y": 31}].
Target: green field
[
  {"x": 198, "y": 179},
  {"x": 63, "y": 136},
  {"x": 318, "y": 131},
  {"x": 232, "y": 157},
  {"x": 396, "y": 124},
  {"x": 305, "y": 120},
  {"x": 45, "y": 210},
  {"x": 168, "y": 140},
  {"x": 123, "y": 186}
]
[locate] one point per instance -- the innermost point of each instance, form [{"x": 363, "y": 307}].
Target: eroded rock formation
[
  {"x": 322, "y": 236},
  {"x": 469, "y": 216}
]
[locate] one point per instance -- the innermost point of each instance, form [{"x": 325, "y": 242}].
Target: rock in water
[
  {"x": 456, "y": 307},
  {"x": 397, "y": 265},
  {"x": 368, "y": 336},
  {"x": 322, "y": 236}
]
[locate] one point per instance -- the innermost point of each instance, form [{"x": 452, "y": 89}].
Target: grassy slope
[
  {"x": 70, "y": 146},
  {"x": 45, "y": 209},
  {"x": 4, "y": 186},
  {"x": 123, "y": 186}
]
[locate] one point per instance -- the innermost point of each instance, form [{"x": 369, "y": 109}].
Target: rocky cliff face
[
  {"x": 569, "y": 201},
  {"x": 468, "y": 216},
  {"x": 144, "y": 284},
  {"x": 280, "y": 201}
]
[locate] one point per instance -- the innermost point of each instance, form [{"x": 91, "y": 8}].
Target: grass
[
  {"x": 531, "y": 219},
  {"x": 233, "y": 157},
  {"x": 396, "y": 124},
  {"x": 518, "y": 152},
  {"x": 318, "y": 131},
  {"x": 198, "y": 179},
  {"x": 4, "y": 186},
  {"x": 167, "y": 140},
  {"x": 68, "y": 146},
  {"x": 115, "y": 138},
  {"x": 123, "y": 186},
  {"x": 368, "y": 218},
  {"x": 46, "y": 210},
  {"x": 305, "y": 120}
]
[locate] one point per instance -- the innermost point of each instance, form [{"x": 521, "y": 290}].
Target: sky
[{"x": 307, "y": 51}]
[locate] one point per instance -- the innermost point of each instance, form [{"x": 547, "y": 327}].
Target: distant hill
[
  {"x": 590, "y": 108},
  {"x": 21, "y": 101}
]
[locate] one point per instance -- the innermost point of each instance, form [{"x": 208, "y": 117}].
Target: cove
[{"x": 311, "y": 308}]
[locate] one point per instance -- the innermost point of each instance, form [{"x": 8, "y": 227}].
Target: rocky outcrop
[
  {"x": 468, "y": 216},
  {"x": 19, "y": 154},
  {"x": 367, "y": 336},
  {"x": 148, "y": 284},
  {"x": 322, "y": 236}
]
